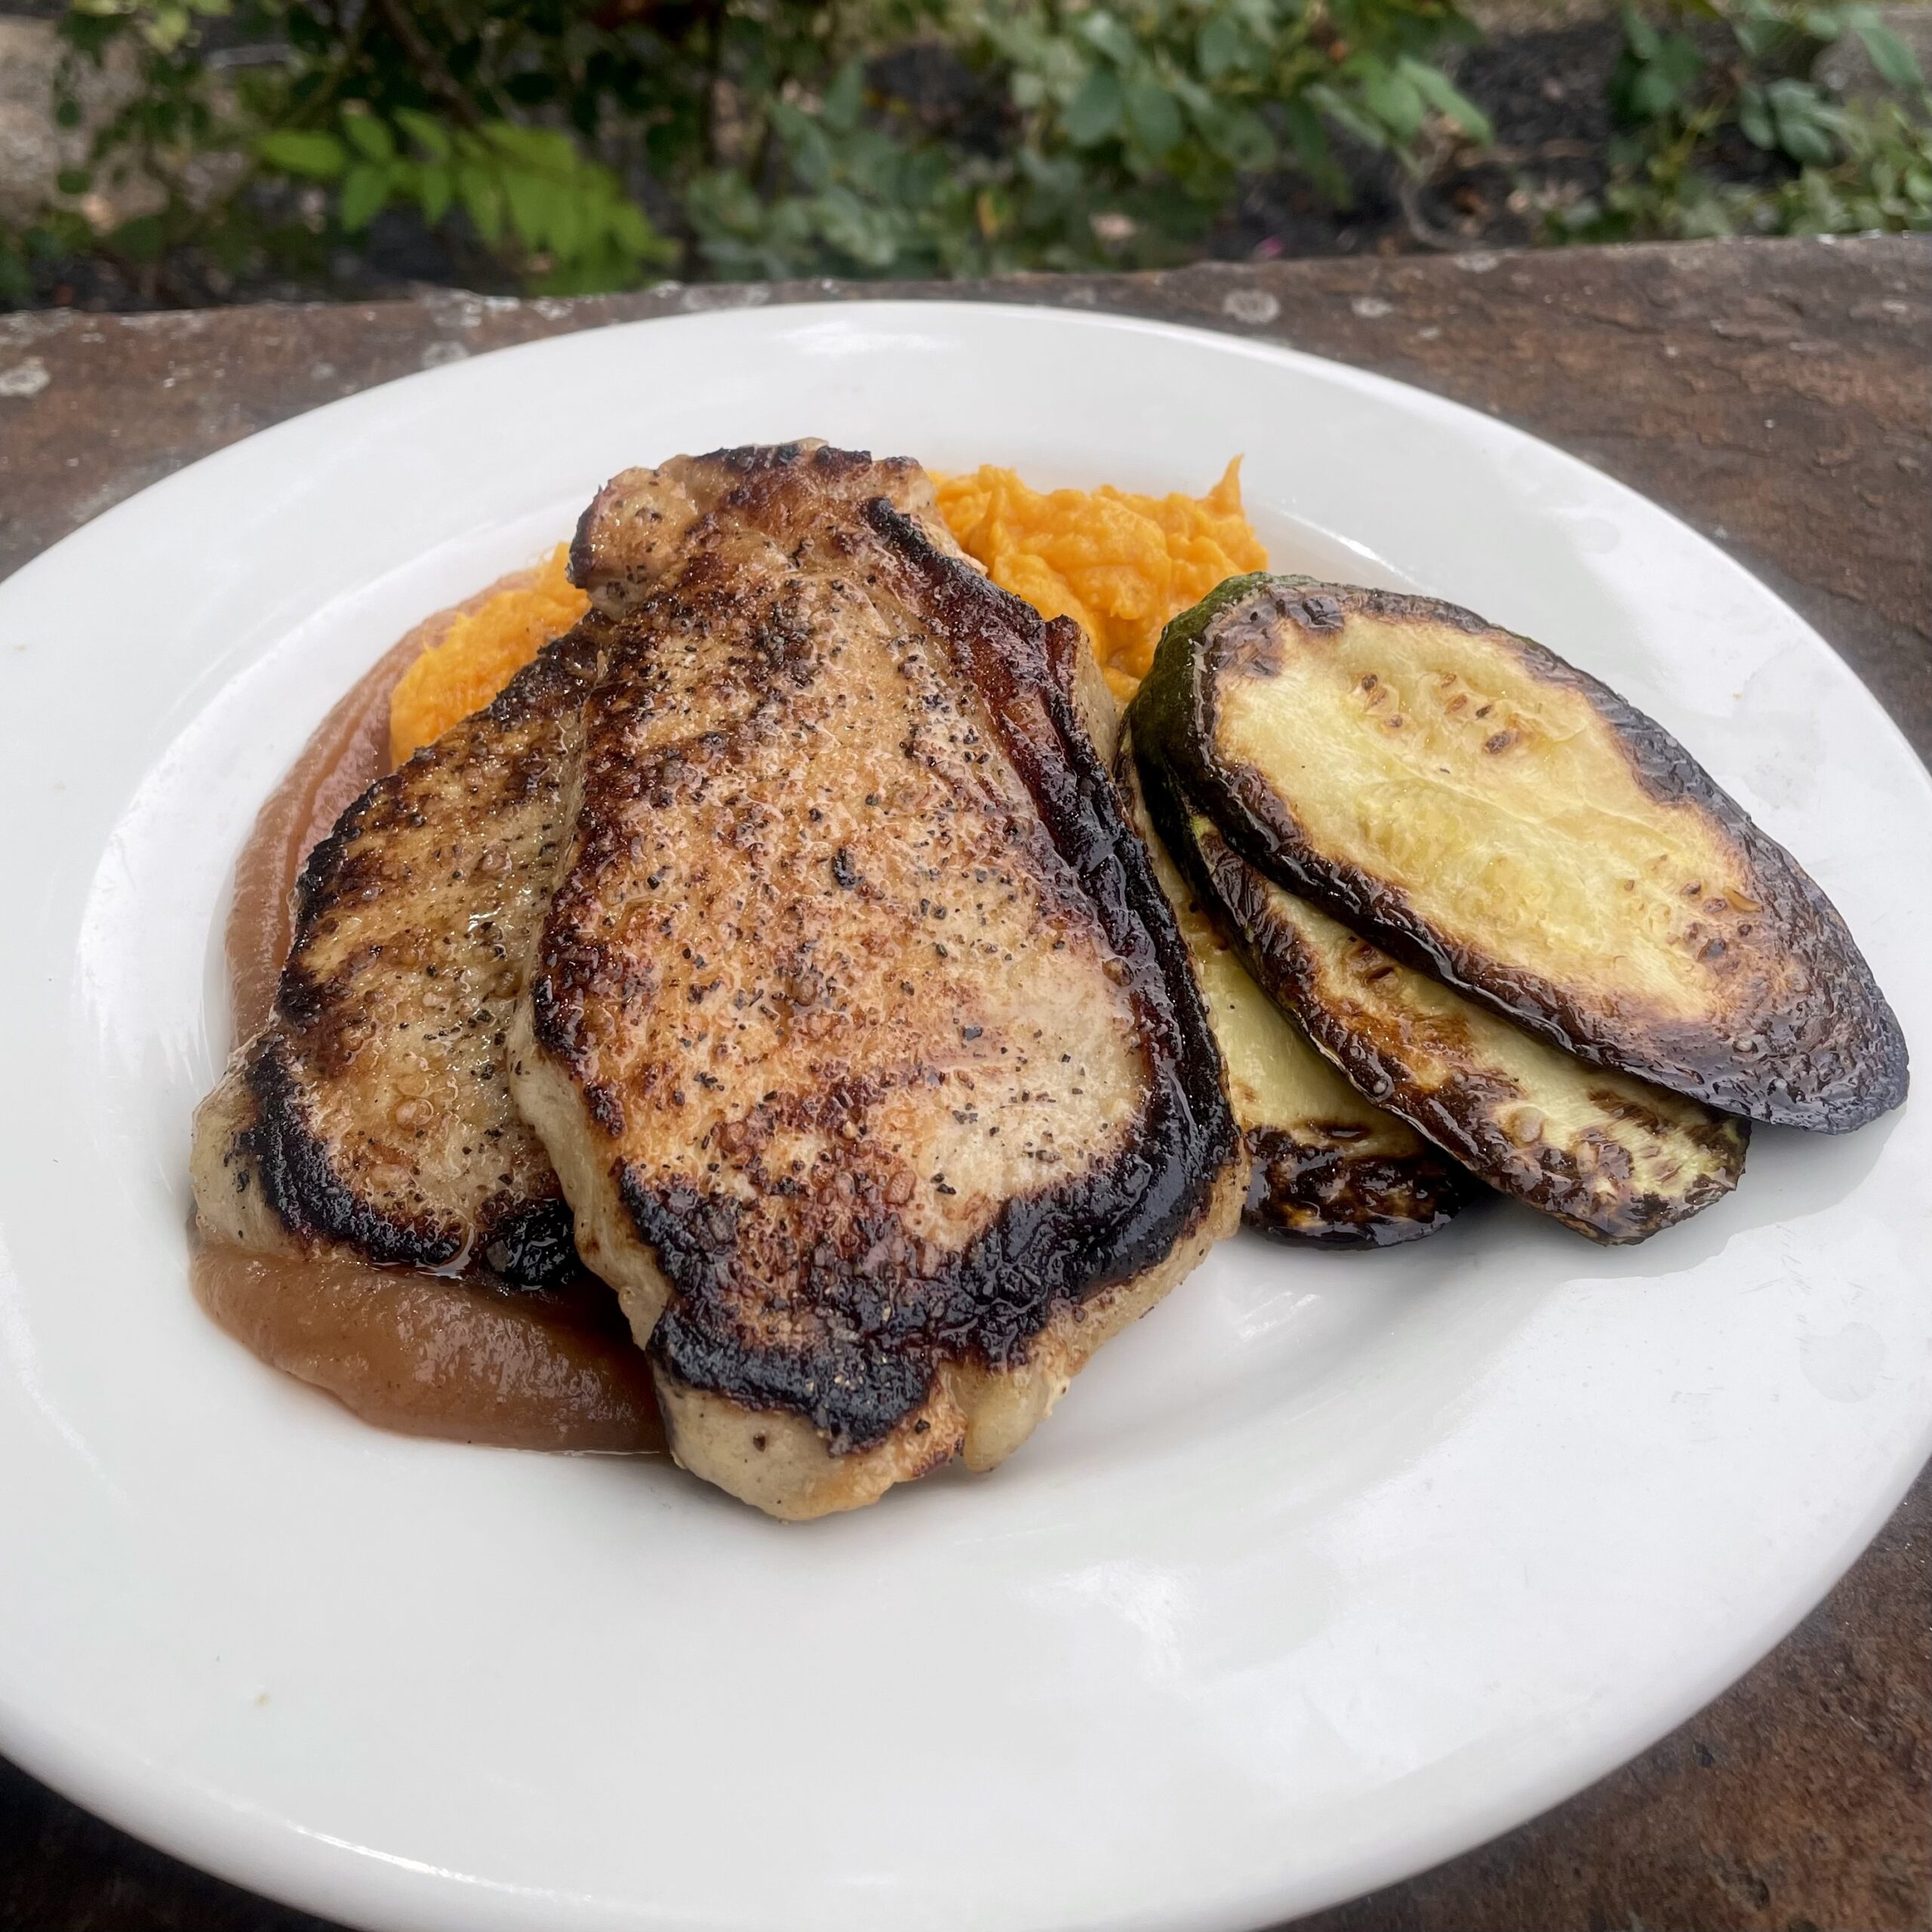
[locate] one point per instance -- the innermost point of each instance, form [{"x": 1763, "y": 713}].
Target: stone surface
[
  {"x": 32, "y": 150},
  {"x": 1774, "y": 394}
]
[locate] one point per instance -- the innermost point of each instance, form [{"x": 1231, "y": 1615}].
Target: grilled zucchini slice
[
  {"x": 1327, "y": 1166},
  {"x": 1481, "y": 809},
  {"x": 1604, "y": 1153}
]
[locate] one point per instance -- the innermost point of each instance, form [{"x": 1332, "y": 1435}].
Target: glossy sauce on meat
[{"x": 425, "y": 1354}]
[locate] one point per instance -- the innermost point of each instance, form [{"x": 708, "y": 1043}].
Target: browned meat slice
[
  {"x": 858, "y": 1028},
  {"x": 371, "y": 1113}
]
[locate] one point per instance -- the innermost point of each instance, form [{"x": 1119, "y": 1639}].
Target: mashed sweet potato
[
  {"x": 1120, "y": 564},
  {"x": 483, "y": 648}
]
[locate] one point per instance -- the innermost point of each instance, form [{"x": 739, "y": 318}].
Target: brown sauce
[
  {"x": 431, "y": 1356},
  {"x": 428, "y": 1354},
  {"x": 347, "y": 752}
]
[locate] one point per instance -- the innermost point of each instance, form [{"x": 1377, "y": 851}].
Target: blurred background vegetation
[{"x": 212, "y": 150}]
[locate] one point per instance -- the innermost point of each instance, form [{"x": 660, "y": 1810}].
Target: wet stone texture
[{"x": 1777, "y": 395}]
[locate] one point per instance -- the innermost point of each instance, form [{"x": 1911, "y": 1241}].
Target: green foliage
[
  {"x": 576, "y": 144},
  {"x": 1152, "y": 110},
  {"x": 1826, "y": 168},
  {"x": 529, "y": 190},
  {"x": 569, "y": 146}
]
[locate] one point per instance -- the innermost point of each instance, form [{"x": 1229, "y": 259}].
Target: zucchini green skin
[
  {"x": 1788, "y": 1025},
  {"x": 1328, "y": 1167},
  {"x": 1627, "y": 1161}
]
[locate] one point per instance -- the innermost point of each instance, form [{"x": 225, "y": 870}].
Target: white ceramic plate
[{"x": 1334, "y": 1566}]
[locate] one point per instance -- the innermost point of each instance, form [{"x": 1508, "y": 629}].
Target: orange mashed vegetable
[
  {"x": 1119, "y": 564},
  {"x": 480, "y": 653}
]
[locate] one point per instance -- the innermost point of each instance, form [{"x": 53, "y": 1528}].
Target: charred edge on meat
[
  {"x": 1050, "y": 1249},
  {"x": 531, "y": 1247},
  {"x": 526, "y": 1245}
]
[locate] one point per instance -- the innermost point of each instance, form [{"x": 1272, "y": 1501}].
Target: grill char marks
[
  {"x": 1609, "y": 1155},
  {"x": 372, "y": 1113},
  {"x": 1329, "y": 1167},
  {"x": 1579, "y": 874},
  {"x": 1311, "y": 1187},
  {"x": 858, "y": 1029}
]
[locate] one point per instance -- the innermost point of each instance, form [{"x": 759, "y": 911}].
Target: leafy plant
[
  {"x": 1823, "y": 167},
  {"x": 1126, "y": 132},
  {"x": 571, "y": 146},
  {"x": 567, "y": 217}
]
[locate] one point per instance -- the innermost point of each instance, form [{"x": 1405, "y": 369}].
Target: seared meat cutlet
[
  {"x": 857, "y": 1028},
  {"x": 371, "y": 1114}
]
